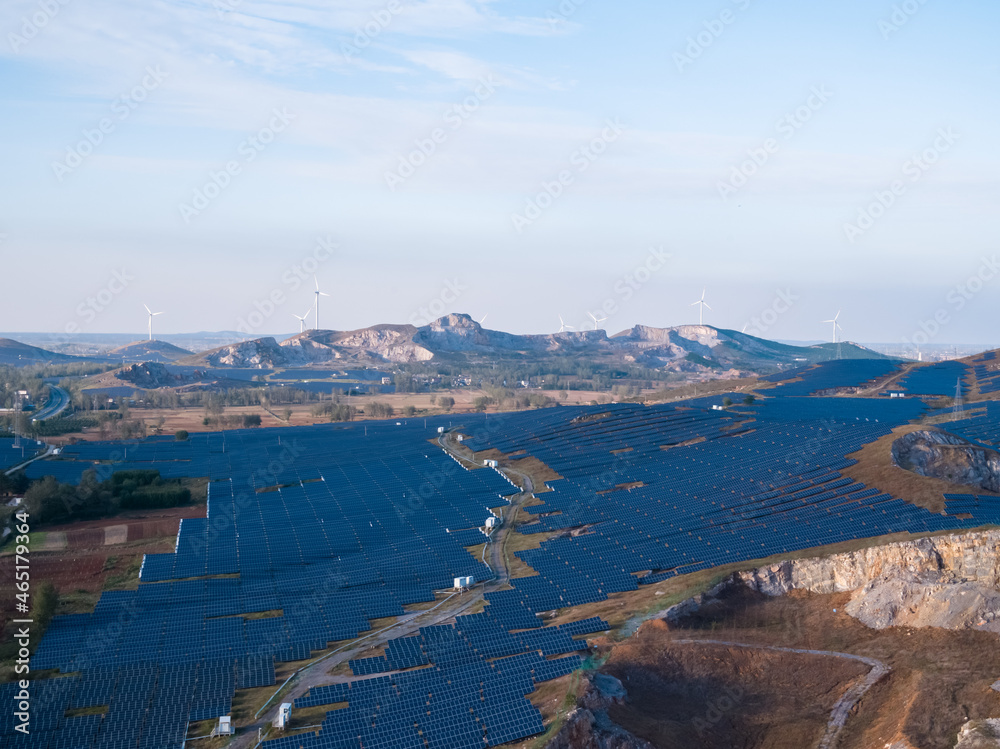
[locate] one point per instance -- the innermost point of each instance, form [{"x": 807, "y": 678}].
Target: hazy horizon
[{"x": 200, "y": 157}]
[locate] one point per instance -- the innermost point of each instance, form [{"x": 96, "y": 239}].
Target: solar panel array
[
  {"x": 935, "y": 379},
  {"x": 980, "y": 423},
  {"x": 837, "y": 373},
  {"x": 11, "y": 456},
  {"x": 767, "y": 487},
  {"x": 310, "y": 534},
  {"x": 987, "y": 373}
]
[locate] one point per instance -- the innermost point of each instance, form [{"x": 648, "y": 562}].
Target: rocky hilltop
[
  {"x": 686, "y": 348},
  {"x": 945, "y": 456}
]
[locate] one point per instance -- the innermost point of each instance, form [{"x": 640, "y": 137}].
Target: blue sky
[{"x": 779, "y": 218}]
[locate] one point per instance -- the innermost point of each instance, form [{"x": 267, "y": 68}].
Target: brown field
[
  {"x": 939, "y": 678},
  {"x": 190, "y": 418}
]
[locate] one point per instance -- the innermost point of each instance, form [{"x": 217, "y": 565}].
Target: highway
[{"x": 58, "y": 402}]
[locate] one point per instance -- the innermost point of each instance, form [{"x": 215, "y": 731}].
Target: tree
[
  {"x": 727, "y": 401},
  {"x": 378, "y": 410},
  {"x": 181, "y": 435},
  {"x": 446, "y": 402},
  {"x": 749, "y": 400},
  {"x": 409, "y": 411},
  {"x": 251, "y": 420}
]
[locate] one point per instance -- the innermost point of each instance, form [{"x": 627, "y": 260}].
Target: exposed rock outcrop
[
  {"x": 980, "y": 734},
  {"x": 949, "y": 581},
  {"x": 588, "y": 726},
  {"x": 948, "y": 457}
]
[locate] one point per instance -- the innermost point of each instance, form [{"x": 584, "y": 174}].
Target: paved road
[
  {"x": 847, "y": 701},
  {"x": 58, "y": 402}
]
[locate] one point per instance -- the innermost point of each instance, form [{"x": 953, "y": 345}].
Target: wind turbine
[
  {"x": 563, "y": 327},
  {"x": 151, "y": 316},
  {"x": 701, "y": 309},
  {"x": 302, "y": 320},
  {"x": 836, "y": 325},
  {"x": 318, "y": 295},
  {"x": 597, "y": 320}
]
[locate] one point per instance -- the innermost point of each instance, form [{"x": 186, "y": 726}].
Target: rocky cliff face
[
  {"x": 950, "y": 581},
  {"x": 980, "y": 734},
  {"x": 945, "y": 456},
  {"x": 588, "y": 726}
]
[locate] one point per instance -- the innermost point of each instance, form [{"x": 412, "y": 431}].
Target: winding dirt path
[{"x": 842, "y": 708}]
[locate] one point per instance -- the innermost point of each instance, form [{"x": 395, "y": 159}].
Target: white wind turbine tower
[
  {"x": 597, "y": 320},
  {"x": 836, "y": 325},
  {"x": 316, "y": 306},
  {"x": 151, "y": 316},
  {"x": 302, "y": 320},
  {"x": 701, "y": 309},
  {"x": 563, "y": 327}
]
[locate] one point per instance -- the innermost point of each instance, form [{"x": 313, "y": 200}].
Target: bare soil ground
[{"x": 678, "y": 692}]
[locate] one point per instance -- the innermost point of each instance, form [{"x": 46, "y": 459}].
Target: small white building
[
  {"x": 490, "y": 463},
  {"x": 225, "y": 727},
  {"x": 492, "y": 521},
  {"x": 284, "y": 716},
  {"x": 461, "y": 583},
  {"x": 440, "y": 430}
]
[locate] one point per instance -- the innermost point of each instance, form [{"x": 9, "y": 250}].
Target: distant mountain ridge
[
  {"x": 17, "y": 354},
  {"x": 684, "y": 348}
]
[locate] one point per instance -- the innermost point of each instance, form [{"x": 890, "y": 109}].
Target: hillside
[
  {"x": 686, "y": 348},
  {"x": 17, "y": 354},
  {"x": 149, "y": 351}
]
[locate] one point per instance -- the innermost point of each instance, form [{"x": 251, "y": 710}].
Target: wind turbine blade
[
  {"x": 706, "y": 305},
  {"x": 317, "y": 282},
  {"x": 147, "y": 309},
  {"x": 323, "y": 293}
]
